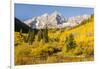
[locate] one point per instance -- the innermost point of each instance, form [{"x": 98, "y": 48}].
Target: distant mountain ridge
[{"x": 54, "y": 20}]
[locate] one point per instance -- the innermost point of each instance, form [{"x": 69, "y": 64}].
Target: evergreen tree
[
  {"x": 45, "y": 35},
  {"x": 20, "y": 33},
  {"x": 40, "y": 34},
  {"x": 70, "y": 42},
  {"x": 31, "y": 36},
  {"x": 92, "y": 16}
]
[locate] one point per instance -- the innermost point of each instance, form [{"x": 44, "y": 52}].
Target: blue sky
[{"x": 26, "y": 11}]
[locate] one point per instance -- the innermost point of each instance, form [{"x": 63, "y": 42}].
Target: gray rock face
[{"x": 54, "y": 20}]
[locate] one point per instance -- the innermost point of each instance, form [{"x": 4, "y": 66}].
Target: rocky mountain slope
[{"x": 54, "y": 20}]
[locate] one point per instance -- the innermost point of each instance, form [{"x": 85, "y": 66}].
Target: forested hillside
[{"x": 55, "y": 45}]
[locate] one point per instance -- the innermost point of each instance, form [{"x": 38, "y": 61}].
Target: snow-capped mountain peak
[{"x": 54, "y": 20}]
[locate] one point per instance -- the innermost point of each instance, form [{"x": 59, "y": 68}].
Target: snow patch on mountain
[{"x": 54, "y": 20}]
